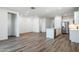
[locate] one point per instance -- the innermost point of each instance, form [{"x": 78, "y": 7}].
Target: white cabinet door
[
  {"x": 76, "y": 17},
  {"x": 74, "y": 36},
  {"x": 50, "y": 33}
]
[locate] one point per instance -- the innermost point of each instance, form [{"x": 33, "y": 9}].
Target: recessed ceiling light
[
  {"x": 59, "y": 8},
  {"x": 47, "y": 10}
]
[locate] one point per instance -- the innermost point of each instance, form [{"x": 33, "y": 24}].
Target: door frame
[{"x": 17, "y": 33}]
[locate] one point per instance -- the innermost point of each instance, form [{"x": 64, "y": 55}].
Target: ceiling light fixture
[{"x": 32, "y": 7}]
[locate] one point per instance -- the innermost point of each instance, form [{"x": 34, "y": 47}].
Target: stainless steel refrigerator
[{"x": 65, "y": 27}]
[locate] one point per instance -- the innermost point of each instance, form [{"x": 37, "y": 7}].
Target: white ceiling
[{"x": 44, "y": 11}]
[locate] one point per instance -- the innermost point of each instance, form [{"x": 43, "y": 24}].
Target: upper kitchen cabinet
[{"x": 76, "y": 17}]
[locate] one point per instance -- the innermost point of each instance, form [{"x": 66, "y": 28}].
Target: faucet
[{"x": 77, "y": 27}]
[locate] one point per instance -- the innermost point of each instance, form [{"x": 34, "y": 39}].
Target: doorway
[{"x": 12, "y": 25}]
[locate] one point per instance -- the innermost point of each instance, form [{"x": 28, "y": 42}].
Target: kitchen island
[
  {"x": 74, "y": 33},
  {"x": 50, "y": 33}
]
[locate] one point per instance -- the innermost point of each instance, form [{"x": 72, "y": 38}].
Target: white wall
[
  {"x": 32, "y": 24},
  {"x": 3, "y": 24},
  {"x": 35, "y": 24},
  {"x": 29, "y": 24},
  {"x": 25, "y": 24}
]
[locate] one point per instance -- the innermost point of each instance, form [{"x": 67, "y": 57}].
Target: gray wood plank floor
[{"x": 37, "y": 42}]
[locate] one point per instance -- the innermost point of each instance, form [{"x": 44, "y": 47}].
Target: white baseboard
[{"x": 3, "y": 38}]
